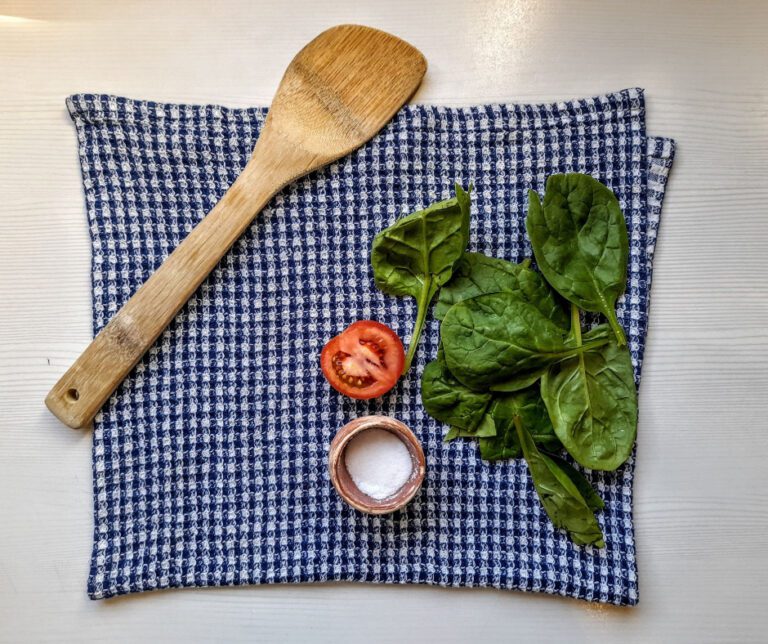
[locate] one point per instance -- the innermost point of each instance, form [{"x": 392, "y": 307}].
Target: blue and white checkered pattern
[{"x": 209, "y": 463}]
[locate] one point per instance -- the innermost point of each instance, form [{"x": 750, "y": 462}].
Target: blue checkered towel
[{"x": 209, "y": 463}]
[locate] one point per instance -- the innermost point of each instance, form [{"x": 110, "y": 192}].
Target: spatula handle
[{"x": 90, "y": 381}]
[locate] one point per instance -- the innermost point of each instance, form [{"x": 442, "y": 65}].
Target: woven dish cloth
[{"x": 209, "y": 463}]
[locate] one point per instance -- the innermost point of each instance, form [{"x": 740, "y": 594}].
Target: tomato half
[{"x": 364, "y": 361}]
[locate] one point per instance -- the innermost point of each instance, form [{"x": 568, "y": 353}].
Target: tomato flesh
[{"x": 364, "y": 361}]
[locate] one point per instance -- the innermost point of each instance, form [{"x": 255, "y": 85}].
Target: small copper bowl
[{"x": 343, "y": 482}]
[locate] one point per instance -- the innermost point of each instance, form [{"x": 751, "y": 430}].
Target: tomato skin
[{"x": 364, "y": 361}]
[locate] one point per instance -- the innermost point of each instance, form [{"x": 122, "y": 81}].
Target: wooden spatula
[{"x": 336, "y": 94}]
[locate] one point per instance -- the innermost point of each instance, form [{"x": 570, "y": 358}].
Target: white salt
[{"x": 378, "y": 462}]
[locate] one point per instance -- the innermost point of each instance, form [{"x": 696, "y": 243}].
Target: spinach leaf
[
  {"x": 477, "y": 274},
  {"x": 519, "y": 381},
  {"x": 529, "y": 408},
  {"x": 561, "y": 498},
  {"x": 527, "y": 378},
  {"x": 451, "y": 434},
  {"x": 450, "y": 402},
  {"x": 579, "y": 238},
  {"x": 582, "y": 484},
  {"x": 503, "y": 446},
  {"x": 491, "y": 338},
  {"x": 592, "y": 401},
  {"x": 417, "y": 254},
  {"x": 485, "y": 428},
  {"x": 482, "y": 415}
]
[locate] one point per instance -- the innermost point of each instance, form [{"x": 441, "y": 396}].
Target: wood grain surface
[{"x": 701, "y": 492}]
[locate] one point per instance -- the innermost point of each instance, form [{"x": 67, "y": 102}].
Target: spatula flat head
[{"x": 342, "y": 88}]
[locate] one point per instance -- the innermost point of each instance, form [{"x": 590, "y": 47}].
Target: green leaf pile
[{"x": 514, "y": 370}]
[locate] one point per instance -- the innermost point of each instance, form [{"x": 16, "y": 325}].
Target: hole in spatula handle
[{"x": 73, "y": 401}]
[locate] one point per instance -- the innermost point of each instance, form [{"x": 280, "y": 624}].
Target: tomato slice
[{"x": 364, "y": 361}]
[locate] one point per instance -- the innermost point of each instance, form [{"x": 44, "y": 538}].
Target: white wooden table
[{"x": 701, "y": 501}]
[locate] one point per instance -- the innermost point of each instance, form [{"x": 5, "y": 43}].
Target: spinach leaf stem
[{"x": 425, "y": 297}]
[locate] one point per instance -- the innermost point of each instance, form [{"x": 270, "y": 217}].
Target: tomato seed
[{"x": 355, "y": 381}]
